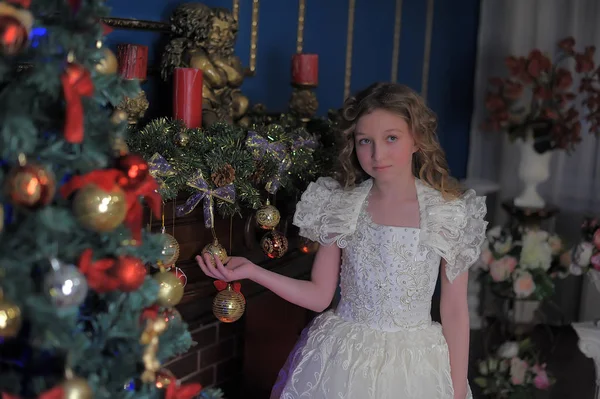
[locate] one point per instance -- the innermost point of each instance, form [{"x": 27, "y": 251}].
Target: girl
[{"x": 388, "y": 221}]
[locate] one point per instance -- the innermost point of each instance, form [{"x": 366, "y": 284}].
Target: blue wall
[{"x": 452, "y": 54}]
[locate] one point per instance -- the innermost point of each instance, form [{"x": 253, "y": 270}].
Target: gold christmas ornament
[
  {"x": 170, "y": 289},
  {"x": 170, "y": 251},
  {"x": 99, "y": 210},
  {"x": 10, "y": 318},
  {"x": 108, "y": 64},
  {"x": 181, "y": 138},
  {"x": 229, "y": 305},
  {"x": 274, "y": 244},
  {"x": 77, "y": 388},
  {"x": 30, "y": 186},
  {"x": 308, "y": 246},
  {"x": 217, "y": 250},
  {"x": 267, "y": 217},
  {"x": 118, "y": 116}
]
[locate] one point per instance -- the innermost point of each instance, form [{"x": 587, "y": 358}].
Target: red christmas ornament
[
  {"x": 30, "y": 186},
  {"x": 13, "y": 35},
  {"x": 135, "y": 169},
  {"x": 130, "y": 272}
]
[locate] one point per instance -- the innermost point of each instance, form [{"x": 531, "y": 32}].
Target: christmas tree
[{"x": 80, "y": 315}]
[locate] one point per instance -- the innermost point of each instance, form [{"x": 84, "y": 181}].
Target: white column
[{"x": 589, "y": 344}]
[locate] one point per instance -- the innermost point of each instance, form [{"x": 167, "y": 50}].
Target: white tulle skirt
[{"x": 337, "y": 359}]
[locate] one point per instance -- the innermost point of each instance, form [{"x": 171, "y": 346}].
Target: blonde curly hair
[{"x": 429, "y": 161}]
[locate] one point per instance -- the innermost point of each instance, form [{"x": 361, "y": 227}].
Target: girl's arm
[
  {"x": 455, "y": 325},
  {"x": 315, "y": 294}
]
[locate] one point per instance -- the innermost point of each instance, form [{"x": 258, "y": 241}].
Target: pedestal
[
  {"x": 530, "y": 217},
  {"x": 589, "y": 344}
]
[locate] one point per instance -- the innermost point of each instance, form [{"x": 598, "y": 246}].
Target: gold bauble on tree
[
  {"x": 170, "y": 251},
  {"x": 229, "y": 304},
  {"x": 100, "y": 210},
  {"x": 170, "y": 289},
  {"x": 10, "y": 318},
  {"x": 76, "y": 387},
  {"x": 181, "y": 138},
  {"x": 274, "y": 244},
  {"x": 108, "y": 65},
  {"x": 267, "y": 217},
  {"x": 217, "y": 250}
]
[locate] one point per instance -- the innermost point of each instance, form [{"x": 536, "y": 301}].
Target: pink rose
[
  {"x": 486, "y": 258},
  {"x": 597, "y": 239},
  {"x": 518, "y": 368},
  {"x": 524, "y": 285},
  {"x": 541, "y": 380},
  {"x": 501, "y": 269},
  {"x": 595, "y": 261}
]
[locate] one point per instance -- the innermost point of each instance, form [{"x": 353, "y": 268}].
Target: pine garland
[{"x": 223, "y": 156}]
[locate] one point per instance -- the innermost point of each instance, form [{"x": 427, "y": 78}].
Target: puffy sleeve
[
  {"x": 326, "y": 213},
  {"x": 456, "y": 230}
]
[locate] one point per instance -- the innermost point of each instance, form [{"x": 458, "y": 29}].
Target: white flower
[
  {"x": 583, "y": 254},
  {"x": 500, "y": 242},
  {"x": 508, "y": 350},
  {"x": 536, "y": 252},
  {"x": 555, "y": 243}
]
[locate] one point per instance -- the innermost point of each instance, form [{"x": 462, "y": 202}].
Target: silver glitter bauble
[{"x": 65, "y": 285}]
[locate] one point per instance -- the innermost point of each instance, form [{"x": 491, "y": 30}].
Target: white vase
[{"x": 534, "y": 169}]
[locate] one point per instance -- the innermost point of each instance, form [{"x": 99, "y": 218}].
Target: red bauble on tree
[
  {"x": 30, "y": 186},
  {"x": 135, "y": 169},
  {"x": 130, "y": 272}
]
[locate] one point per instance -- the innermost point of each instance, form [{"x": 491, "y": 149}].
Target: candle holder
[
  {"x": 305, "y": 77},
  {"x": 133, "y": 65}
]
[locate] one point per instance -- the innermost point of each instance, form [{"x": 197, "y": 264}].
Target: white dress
[{"x": 380, "y": 342}]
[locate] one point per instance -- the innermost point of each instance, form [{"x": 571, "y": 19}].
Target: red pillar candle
[
  {"x": 305, "y": 70},
  {"x": 187, "y": 96},
  {"x": 133, "y": 61}
]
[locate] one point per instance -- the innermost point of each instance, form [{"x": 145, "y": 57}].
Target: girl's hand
[{"x": 237, "y": 268}]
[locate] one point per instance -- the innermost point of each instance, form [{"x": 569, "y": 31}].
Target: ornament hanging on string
[
  {"x": 109, "y": 64},
  {"x": 100, "y": 210},
  {"x": 274, "y": 244},
  {"x": 15, "y": 27},
  {"x": 229, "y": 304},
  {"x": 170, "y": 288},
  {"x": 65, "y": 285},
  {"x": 30, "y": 185},
  {"x": 267, "y": 216},
  {"x": 214, "y": 249},
  {"x": 10, "y": 318},
  {"x": 169, "y": 253},
  {"x": 76, "y": 387},
  {"x": 308, "y": 246}
]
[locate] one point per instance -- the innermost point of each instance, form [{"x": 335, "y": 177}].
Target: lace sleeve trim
[
  {"x": 454, "y": 229},
  {"x": 326, "y": 213}
]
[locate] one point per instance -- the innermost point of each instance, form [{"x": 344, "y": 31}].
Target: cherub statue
[{"x": 204, "y": 38}]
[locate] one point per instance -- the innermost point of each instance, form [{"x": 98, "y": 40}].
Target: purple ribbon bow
[
  {"x": 159, "y": 167},
  {"x": 205, "y": 194},
  {"x": 259, "y": 147},
  {"x": 300, "y": 142}
]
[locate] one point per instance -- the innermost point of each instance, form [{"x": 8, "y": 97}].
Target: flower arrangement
[
  {"x": 586, "y": 254},
  {"x": 521, "y": 263},
  {"x": 513, "y": 372},
  {"x": 538, "y": 96}
]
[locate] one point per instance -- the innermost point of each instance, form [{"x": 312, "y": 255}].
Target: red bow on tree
[
  {"x": 76, "y": 83},
  {"x": 106, "y": 179},
  {"x": 187, "y": 391},
  {"x": 54, "y": 393},
  {"x": 97, "y": 273}
]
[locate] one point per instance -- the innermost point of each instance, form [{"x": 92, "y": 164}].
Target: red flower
[
  {"x": 516, "y": 66},
  {"x": 584, "y": 63},
  {"x": 567, "y": 44},
  {"x": 513, "y": 90},
  {"x": 495, "y": 103},
  {"x": 538, "y": 63},
  {"x": 564, "y": 79},
  {"x": 542, "y": 93}
]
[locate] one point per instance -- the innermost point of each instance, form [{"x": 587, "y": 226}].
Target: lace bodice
[{"x": 388, "y": 273}]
